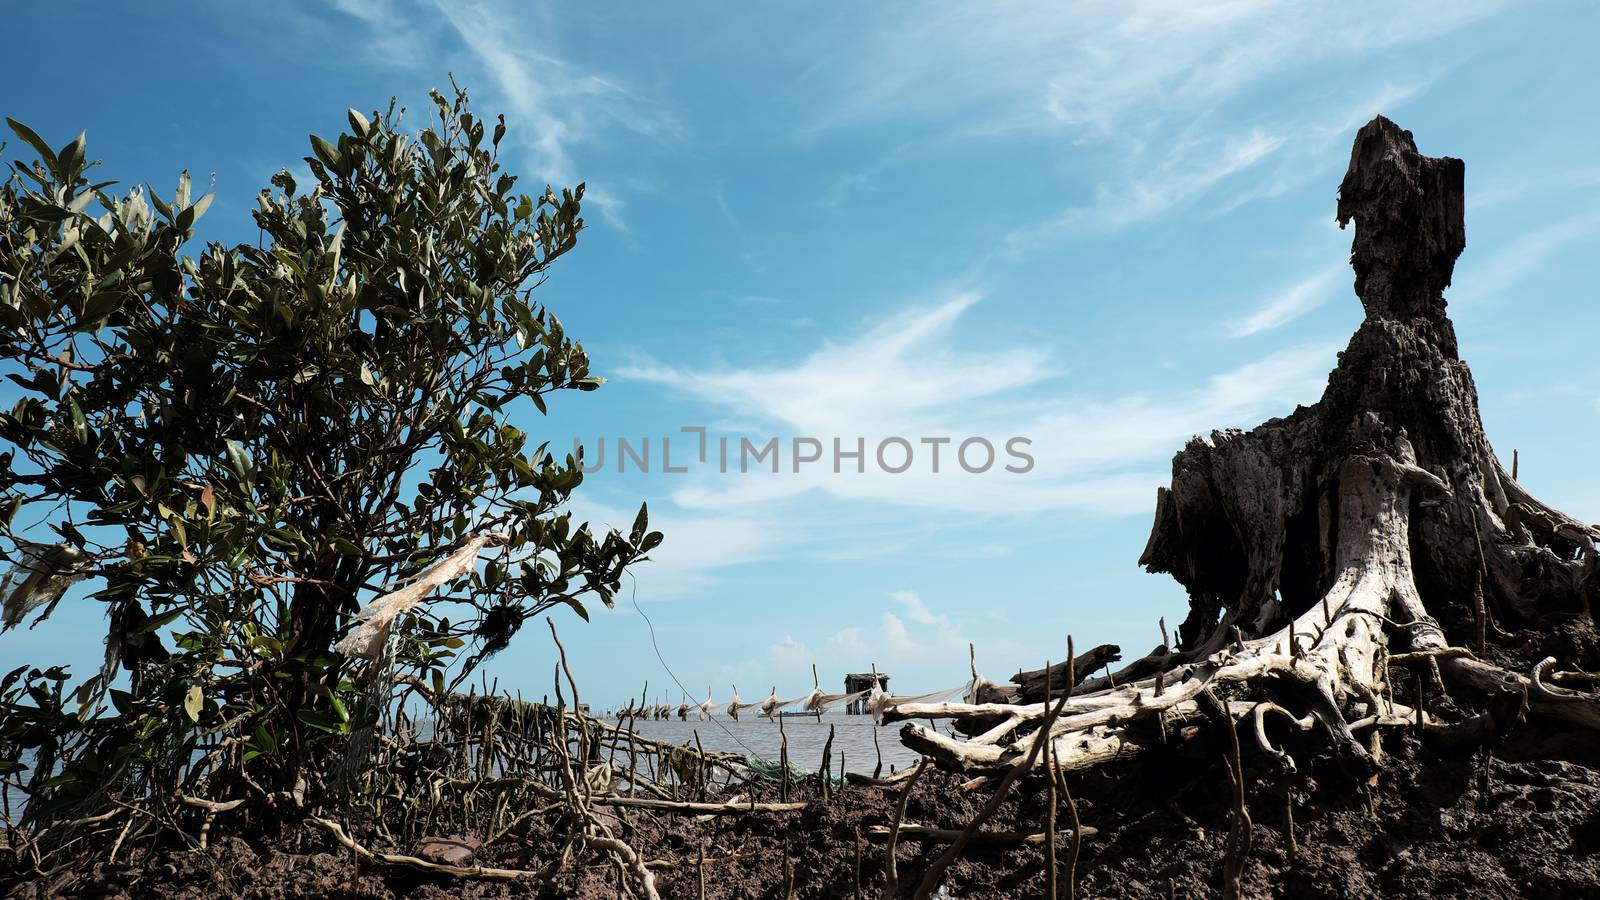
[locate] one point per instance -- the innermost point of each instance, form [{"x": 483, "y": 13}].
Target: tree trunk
[{"x": 1309, "y": 543}]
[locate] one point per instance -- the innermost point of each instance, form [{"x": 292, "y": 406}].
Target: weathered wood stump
[{"x": 1315, "y": 547}]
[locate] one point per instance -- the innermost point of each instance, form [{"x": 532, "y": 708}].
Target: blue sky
[{"x": 1105, "y": 227}]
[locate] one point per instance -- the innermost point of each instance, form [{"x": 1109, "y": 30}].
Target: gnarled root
[{"x": 1328, "y": 666}]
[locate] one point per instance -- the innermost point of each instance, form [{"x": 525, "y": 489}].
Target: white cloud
[
  {"x": 1184, "y": 172},
  {"x": 921, "y": 636},
  {"x": 910, "y": 377},
  {"x": 373, "y": 12},
  {"x": 1315, "y": 139},
  {"x": 1530, "y": 179},
  {"x": 1289, "y": 304},
  {"x": 1509, "y": 264},
  {"x": 548, "y": 97},
  {"x": 719, "y": 194},
  {"x": 891, "y": 375},
  {"x": 394, "y": 33},
  {"x": 855, "y": 553},
  {"x": 849, "y": 643},
  {"x": 1098, "y": 69},
  {"x": 1216, "y": 164},
  {"x": 553, "y": 108},
  {"x": 916, "y": 610},
  {"x": 789, "y": 653},
  {"x": 611, "y": 206},
  {"x": 695, "y": 545},
  {"x": 1152, "y": 100}
]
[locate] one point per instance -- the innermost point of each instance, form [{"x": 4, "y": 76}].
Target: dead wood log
[
  {"x": 948, "y": 835},
  {"x": 1031, "y": 685},
  {"x": 350, "y": 843},
  {"x": 696, "y": 808}
]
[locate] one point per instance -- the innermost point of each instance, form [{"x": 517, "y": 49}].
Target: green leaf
[
  {"x": 191, "y": 215},
  {"x": 80, "y": 427},
  {"x": 525, "y": 473},
  {"x": 358, "y": 122},
  {"x": 338, "y": 706},
  {"x": 239, "y": 459},
  {"x": 335, "y": 248},
  {"x": 71, "y": 157},
  {"x": 576, "y": 606},
  {"x": 8, "y": 510},
  {"x": 161, "y": 206},
  {"x": 327, "y": 153},
  {"x": 34, "y": 141},
  {"x": 100, "y": 306},
  {"x": 318, "y": 721},
  {"x": 640, "y": 523},
  {"x": 70, "y": 532},
  {"x": 161, "y": 621}
]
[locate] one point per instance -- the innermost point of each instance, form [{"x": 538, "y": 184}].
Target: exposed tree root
[{"x": 344, "y": 838}]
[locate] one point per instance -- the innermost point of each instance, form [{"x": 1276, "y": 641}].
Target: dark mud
[
  {"x": 1433, "y": 828},
  {"x": 1521, "y": 820}
]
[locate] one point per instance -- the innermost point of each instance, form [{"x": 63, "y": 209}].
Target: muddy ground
[
  {"x": 1432, "y": 830},
  {"x": 1522, "y": 821}
]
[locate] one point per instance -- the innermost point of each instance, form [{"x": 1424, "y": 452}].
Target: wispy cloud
[
  {"x": 559, "y": 104},
  {"x": 892, "y": 375},
  {"x": 915, "y": 634},
  {"x": 1289, "y": 304},
  {"x": 1100, "y": 69},
  {"x": 1529, "y": 180},
  {"x": 396, "y": 33},
  {"x": 790, "y": 654},
  {"x": 1149, "y": 99},
  {"x": 909, "y": 376},
  {"x": 898, "y": 633},
  {"x": 1183, "y": 173},
  {"x": 556, "y": 109},
  {"x": 697, "y": 545},
  {"x": 719, "y": 194},
  {"x": 1504, "y": 267},
  {"x": 1215, "y": 167}
]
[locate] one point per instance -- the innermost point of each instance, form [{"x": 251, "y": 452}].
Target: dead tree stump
[{"x": 1314, "y": 546}]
